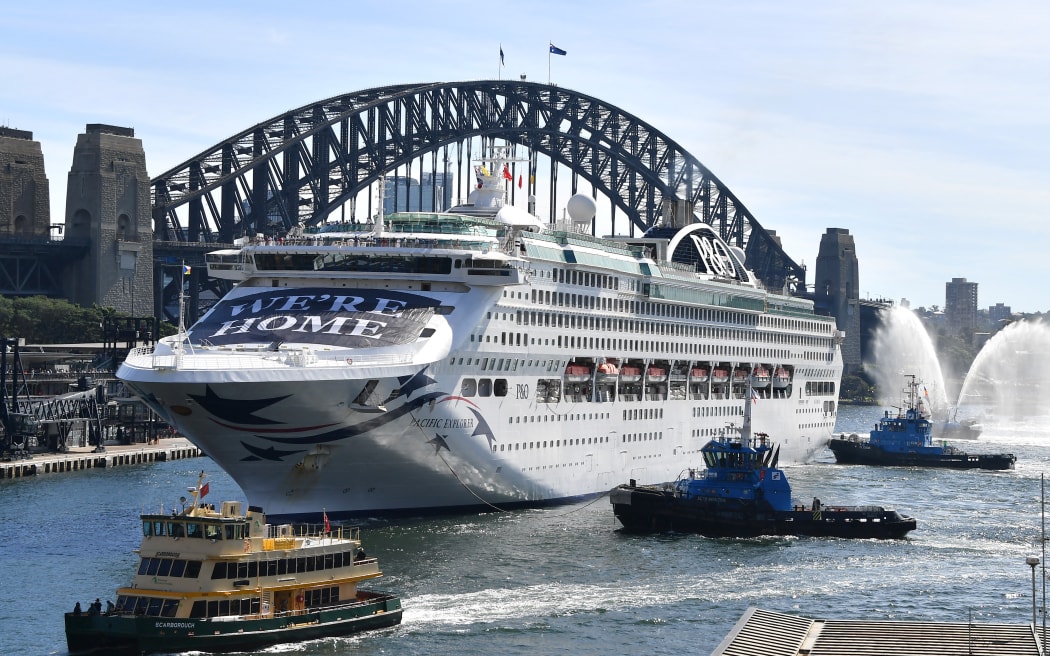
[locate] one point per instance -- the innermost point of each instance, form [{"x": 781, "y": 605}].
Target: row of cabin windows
[
  {"x": 524, "y": 446},
  {"x": 281, "y": 566},
  {"x": 602, "y": 281},
  {"x": 183, "y": 529},
  {"x": 170, "y": 567},
  {"x": 820, "y": 388},
  {"x": 225, "y": 607},
  {"x": 149, "y": 606}
]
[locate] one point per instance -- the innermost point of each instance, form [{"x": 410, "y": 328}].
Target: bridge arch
[{"x": 305, "y": 164}]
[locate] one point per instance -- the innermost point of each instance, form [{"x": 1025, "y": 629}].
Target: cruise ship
[{"x": 482, "y": 358}]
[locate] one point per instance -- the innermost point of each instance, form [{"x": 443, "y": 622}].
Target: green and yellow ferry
[{"x": 224, "y": 580}]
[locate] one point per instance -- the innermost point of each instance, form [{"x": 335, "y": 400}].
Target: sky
[{"x": 922, "y": 127}]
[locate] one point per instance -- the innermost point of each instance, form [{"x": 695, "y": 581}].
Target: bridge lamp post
[{"x": 1033, "y": 562}]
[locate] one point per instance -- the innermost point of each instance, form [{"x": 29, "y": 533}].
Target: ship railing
[
  {"x": 283, "y": 531},
  {"x": 212, "y": 359},
  {"x": 365, "y": 598}
]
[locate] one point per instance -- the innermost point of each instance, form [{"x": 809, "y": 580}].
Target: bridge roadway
[{"x": 79, "y": 458}]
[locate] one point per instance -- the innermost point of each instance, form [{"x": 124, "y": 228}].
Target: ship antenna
[{"x": 379, "y": 222}]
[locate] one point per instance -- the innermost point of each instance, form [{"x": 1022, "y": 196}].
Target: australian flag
[{"x": 555, "y": 50}]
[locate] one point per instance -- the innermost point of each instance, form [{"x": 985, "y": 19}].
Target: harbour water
[{"x": 565, "y": 580}]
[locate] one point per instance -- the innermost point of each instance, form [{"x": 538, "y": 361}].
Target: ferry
[
  {"x": 741, "y": 493},
  {"x": 905, "y": 438},
  {"x": 482, "y": 358},
  {"x": 222, "y": 580}
]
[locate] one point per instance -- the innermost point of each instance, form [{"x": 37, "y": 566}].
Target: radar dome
[{"x": 581, "y": 207}]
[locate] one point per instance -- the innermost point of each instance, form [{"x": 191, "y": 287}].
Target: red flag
[
  {"x": 204, "y": 490},
  {"x": 327, "y": 526},
  {"x": 506, "y": 173},
  {"x": 519, "y": 181}
]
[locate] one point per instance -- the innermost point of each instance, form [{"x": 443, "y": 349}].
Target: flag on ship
[
  {"x": 555, "y": 50},
  {"x": 506, "y": 173},
  {"x": 501, "y": 54},
  {"x": 327, "y": 525},
  {"x": 186, "y": 269},
  {"x": 205, "y": 489},
  {"x": 754, "y": 396},
  {"x": 519, "y": 181}
]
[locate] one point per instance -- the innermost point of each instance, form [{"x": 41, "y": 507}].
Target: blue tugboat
[
  {"x": 742, "y": 493},
  {"x": 906, "y": 439}
]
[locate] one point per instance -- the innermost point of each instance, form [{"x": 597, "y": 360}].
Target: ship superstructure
[{"x": 479, "y": 358}]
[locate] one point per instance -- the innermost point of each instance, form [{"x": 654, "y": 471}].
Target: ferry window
[
  {"x": 253, "y": 569},
  {"x": 169, "y": 608},
  {"x": 213, "y": 531},
  {"x": 125, "y": 602},
  {"x": 176, "y": 529},
  {"x": 469, "y": 387},
  {"x": 158, "y": 528},
  {"x": 271, "y": 568},
  {"x": 233, "y": 531},
  {"x": 213, "y": 609},
  {"x": 154, "y": 607},
  {"x": 165, "y": 567},
  {"x": 500, "y": 387},
  {"x": 242, "y": 570},
  {"x": 193, "y": 569},
  {"x": 282, "y": 567},
  {"x": 193, "y": 530},
  {"x": 143, "y": 565},
  {"x": 147, "y": 528},
  {"x": 178, "y": 567},
  {"x": 151, "y": 568},
  {"x": 300, "y": 564},
  {"x": 485, "y": 387},
  {"x": 141, "y": 605},
  {"x": 337, "y": 559},
  {"x": 219, "y": 571},
  {"x": 329, "y": 561},
  {"x": 198, "y": 609}
]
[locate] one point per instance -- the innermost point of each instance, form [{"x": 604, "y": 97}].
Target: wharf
[{"x": 80, "y": 458}]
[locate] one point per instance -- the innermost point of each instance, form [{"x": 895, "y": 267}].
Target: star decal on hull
[
  {"x": 415, "y": 382},
  {"x": 238, "y": 411},
  {"x": 270, "y": 453},
  {"x": 483, "y": 428},
  {"x": 439, "y": 443}
]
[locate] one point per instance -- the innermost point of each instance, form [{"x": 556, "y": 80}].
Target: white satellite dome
[{"x": 581, "y": 208}]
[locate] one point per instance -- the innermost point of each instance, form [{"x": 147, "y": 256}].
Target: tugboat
[
  {"x": 906, "y": 439},
  {"x": 742, "y": 493},
  {"x": 222, "y": 580}
]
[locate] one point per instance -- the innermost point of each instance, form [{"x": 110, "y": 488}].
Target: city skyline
[{"x": 920, "y": 128}]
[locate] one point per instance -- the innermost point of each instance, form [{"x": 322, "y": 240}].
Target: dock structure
[
  {"x": 81, "y": 458},
  {"x": 761, "y": 633}
]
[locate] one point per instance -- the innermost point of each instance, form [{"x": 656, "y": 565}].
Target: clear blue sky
[{"x": 923, "y": 127}]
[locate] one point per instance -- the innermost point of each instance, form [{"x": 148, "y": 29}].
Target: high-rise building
[
  {"x": 960, "y": 306},
  {"x": 999, "y": 312},
  {"x": 405, "y": 194},
  {"x": 836, "y": 290}
]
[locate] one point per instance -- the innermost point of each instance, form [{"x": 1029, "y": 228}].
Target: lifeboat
[
  {"x": 607, "y": 371},
  {"x": 740, "y": 375},
  {"x": 698, "y": 375},
  {"x": 577, "y": 373},
  {"x": 781, "y": 378},
  {"x": 760, "y": 377},
  {"x": 656, "y": 374},
  {"x": 719, "y": 376},
  {"x": 630, "y": 374}
]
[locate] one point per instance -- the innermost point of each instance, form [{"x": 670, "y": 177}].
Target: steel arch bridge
[{"x": 305, "y": 164}]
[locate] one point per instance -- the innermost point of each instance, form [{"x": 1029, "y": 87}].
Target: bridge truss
[{"x": 325, "y": 157}]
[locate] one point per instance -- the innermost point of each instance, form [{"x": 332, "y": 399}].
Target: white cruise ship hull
[{"x": 461, "y": 360}]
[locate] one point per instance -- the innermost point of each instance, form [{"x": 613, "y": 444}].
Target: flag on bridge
[
  {"x": 501, "y": 55},
  {"x": 186, "y": 269}
]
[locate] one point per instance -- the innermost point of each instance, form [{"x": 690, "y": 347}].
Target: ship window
[
  {"x": 253, "y": 569},
  {"x": 242, "y": 570},
  {"x": 147, "y": 528},
  {"x": 468, "y": 387},
  {"x": 143, "y": 564},
  {"x": 169, "y": 608},
  {"x": 271, "y": 568},
  {"x": 213, "y": 531},
  {"x": 151, "y": 568},
  {"x": 485, "y": 387},
  {"x": 193, "y": 569},
  {"x": 198, "y": 609},
  {"x": 193, "y": 530},
  {"x": 500, "y": 387},
  {"x": 178, "y": 567},
  {"x": 282, "y": 567},
  {"x": 158, "y": 528},
  {"x": 213, "y": 609},
  {"x": 141, "y": 605},
  {"x": 153, "y": 610},
  {"x": 165, "y": 567}
]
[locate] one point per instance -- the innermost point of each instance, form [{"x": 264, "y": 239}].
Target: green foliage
[
  {"x": 856, "y": 389},
  {"x": 43, "y": 320}
]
